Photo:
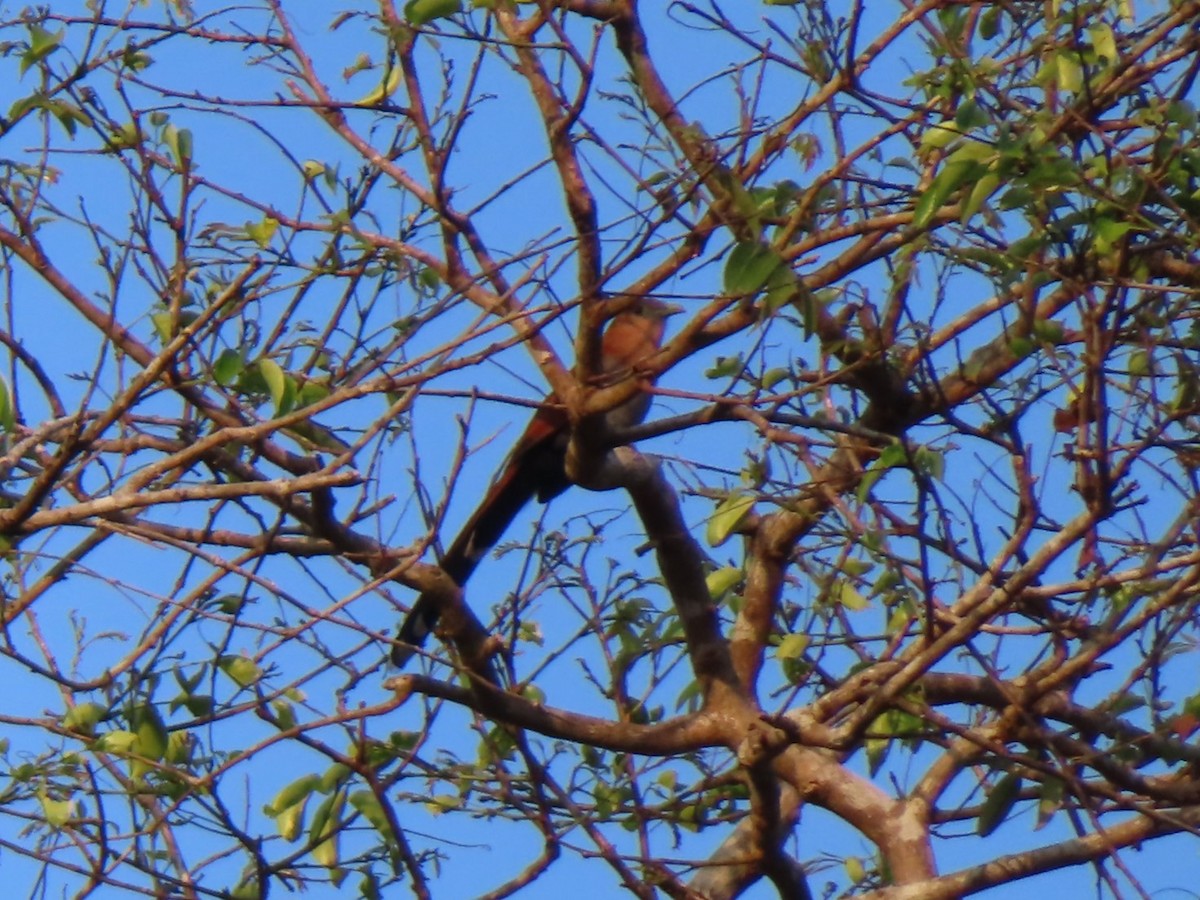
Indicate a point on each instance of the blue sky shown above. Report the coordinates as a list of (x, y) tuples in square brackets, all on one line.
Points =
[(232, 149)]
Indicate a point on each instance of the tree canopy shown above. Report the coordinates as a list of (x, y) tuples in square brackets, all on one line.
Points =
[(895, 593)]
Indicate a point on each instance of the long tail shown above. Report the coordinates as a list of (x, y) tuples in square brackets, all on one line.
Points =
[(535, 469)]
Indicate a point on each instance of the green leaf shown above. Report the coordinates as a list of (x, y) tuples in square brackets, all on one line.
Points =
[(8, 413), (725, 367), (441, 803), (228, 367), (246, 890), (980, 193), (969, 116), (118, 742), (125, 137), (287, 809), (722, 580), (964, 164), (243, 671), (750, 266), (941, 135), (729, 514), (164, 325), (847, 595), (179, 748), (892, 455), (386, 88), (1140, 363), (56, 812), (1048, 331), (793, 646), (419, 12), (782, 288), (944, 184), (1104, 43), (855, 870), (368, 805), (150, 730), (989, 23), (41, 44), (262, 232), (334, 777), (326, 829), (84, 718), (275, 380), (999, 803), (311, 392), (285, 714), (179, 142), (1107, 232), (1050, 801), (930, 462), (292, 794)]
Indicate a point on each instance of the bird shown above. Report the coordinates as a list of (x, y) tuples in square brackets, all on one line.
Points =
[(536, 466)]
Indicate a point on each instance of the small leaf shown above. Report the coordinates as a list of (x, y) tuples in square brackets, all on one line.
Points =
[(41, 44), (386, 88), (782, 288), (725, 367), (999, 803), (1050, 801), (845, 594), (939, 136), (334, 777), (722, 580), (1021, 346), (84, 718), (8, 414), (983, 190), (292, 794), (793, 646), (262, 232), (960, 167), (1140, 363), (118, 742), (179, 142), (275, 381), (419, 12), (285, 714), (930, 462), (326, 829), (749, 267), (969, 115), (368, 805), (56, 812), (164, 325), (228, 367), (150, 730), (243, 671), (855, 870), (989, 23), (1048, 331), (729, 514), (289, 821), (1104, 43), (891, 456)]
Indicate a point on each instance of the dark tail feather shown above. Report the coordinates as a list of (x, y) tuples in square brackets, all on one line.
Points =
[(540, 472)]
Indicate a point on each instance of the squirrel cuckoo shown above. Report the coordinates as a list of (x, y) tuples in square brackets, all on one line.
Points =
[(536, 466)]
